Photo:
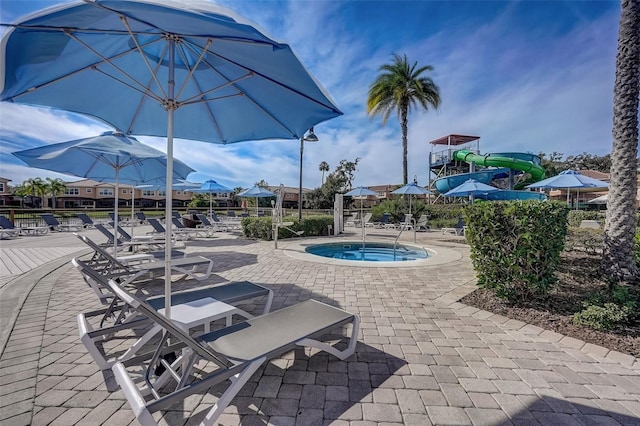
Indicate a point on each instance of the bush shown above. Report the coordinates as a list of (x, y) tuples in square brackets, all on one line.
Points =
[(516, 245), (604, 312), (260, 227), (602, 317)]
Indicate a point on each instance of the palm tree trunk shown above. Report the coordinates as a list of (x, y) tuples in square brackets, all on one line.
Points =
[(404, 124), (620, 226)]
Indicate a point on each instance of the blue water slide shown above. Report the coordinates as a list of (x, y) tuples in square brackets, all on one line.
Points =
[(447, 183)]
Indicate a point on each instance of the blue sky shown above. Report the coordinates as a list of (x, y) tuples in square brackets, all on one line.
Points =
[(525, 76)]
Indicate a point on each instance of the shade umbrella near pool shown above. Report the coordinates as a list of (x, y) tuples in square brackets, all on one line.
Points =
[(257, 192), (109, 157), (361, 192), (569, 179), (411, 189), (471, 188), (190, 70), (210, 186)]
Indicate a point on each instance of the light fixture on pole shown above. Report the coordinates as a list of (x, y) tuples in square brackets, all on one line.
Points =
[(309, 137)]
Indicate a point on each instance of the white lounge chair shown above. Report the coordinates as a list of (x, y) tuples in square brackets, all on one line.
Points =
[(236, 352), (195, 308)]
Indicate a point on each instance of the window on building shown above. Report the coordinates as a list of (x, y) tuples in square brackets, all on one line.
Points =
[(124, 191), (1, 186), (162, 193), (147, 193), (71, 191), (89, 190), (105, 191)]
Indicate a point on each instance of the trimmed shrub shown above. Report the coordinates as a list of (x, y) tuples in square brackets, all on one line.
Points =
[(516, 245), (602, 317), (260, 227)]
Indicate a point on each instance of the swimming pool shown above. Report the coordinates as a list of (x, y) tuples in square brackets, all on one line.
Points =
[(368, 252)]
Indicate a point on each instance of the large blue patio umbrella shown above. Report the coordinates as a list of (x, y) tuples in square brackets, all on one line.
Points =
[(411, 189), (257, 192), (569, 179), (190, 70), (210, 186), (161, 185), (109, 157), (470, 188)]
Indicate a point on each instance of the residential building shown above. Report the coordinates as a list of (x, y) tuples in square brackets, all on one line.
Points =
[(5, 192)]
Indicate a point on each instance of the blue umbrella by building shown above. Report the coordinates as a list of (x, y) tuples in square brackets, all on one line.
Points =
[(257, 192), (471, 188), (109, 157), (569, 179), (210, 186), (411, 189), (186, 70)]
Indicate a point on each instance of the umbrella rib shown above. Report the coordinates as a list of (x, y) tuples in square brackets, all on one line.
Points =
[(200, 97), (123, 18), (148, 90), (193, 68), (110, 62)]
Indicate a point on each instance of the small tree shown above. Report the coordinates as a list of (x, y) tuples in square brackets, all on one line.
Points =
[(55, 187)]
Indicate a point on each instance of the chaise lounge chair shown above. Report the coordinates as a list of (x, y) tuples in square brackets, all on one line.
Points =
[(407, 223), (107, 264), (209, 226), (458, 229), (53, 223), (7, 225), (422, 223), (236, 351), (158, 230), (195, 300)]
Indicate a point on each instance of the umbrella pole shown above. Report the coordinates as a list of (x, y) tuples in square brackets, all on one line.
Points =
[(133, 190), (115, 216), (169, 195), (210, 205)]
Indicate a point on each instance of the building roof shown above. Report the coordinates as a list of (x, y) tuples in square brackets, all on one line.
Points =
[(2, 179), (454, 140), (595, 174)]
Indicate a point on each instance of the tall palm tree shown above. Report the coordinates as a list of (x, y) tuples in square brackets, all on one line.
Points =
[(621, 211), (55, 187), (323, 167), (400, 87)]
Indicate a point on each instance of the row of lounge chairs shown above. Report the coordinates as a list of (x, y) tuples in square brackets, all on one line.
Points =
[(158, 362), (384, 222)]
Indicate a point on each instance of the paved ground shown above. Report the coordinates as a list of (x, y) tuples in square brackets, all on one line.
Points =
[(422, 358)]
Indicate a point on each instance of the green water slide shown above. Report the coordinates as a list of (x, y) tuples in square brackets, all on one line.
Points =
[(511, 160)]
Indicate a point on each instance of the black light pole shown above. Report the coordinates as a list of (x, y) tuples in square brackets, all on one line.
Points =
[(309, 137)]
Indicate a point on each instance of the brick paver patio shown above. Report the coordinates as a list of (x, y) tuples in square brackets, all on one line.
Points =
[(422, 357)]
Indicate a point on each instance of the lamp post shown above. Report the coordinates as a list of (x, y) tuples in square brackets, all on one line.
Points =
[(309, 137)]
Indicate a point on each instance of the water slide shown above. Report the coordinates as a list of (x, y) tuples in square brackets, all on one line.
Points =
[(502, 163)]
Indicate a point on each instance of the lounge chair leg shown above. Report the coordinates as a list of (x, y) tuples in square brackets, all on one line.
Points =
[(342, 355), (238, 381)]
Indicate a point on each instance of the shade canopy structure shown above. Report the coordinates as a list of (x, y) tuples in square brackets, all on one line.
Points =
[(210, 186), (109, 157), (361, 192), (257, 192), (569, 179), (471, 188), (191, 70), (411, 189)]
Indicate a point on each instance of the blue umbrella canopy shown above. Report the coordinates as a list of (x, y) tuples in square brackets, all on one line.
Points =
[(109, 157), (569, 179), (210, 186), (471, 187), (257, 192), (191, 70), (360, 191), (411, 189)]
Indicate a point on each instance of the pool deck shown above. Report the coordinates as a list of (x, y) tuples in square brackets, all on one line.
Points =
[(422, 357)]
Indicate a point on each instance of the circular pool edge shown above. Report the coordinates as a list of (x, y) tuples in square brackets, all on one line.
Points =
[(437, 255)]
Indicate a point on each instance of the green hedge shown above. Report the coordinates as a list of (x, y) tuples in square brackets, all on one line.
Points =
[(577, 216), (260, 227), (516, 245)]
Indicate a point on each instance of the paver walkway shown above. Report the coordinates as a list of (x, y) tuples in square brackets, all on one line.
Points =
[(422, 358)]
